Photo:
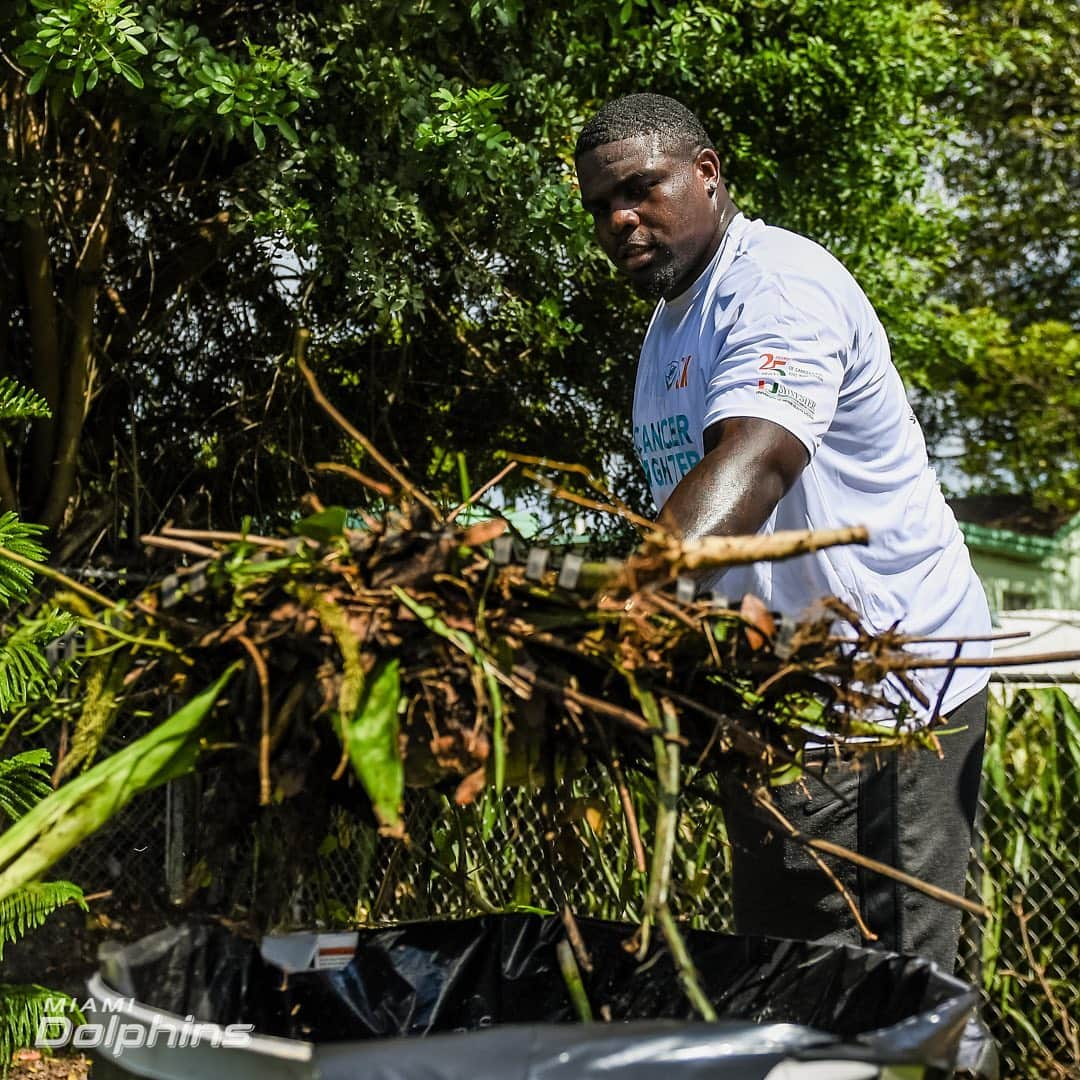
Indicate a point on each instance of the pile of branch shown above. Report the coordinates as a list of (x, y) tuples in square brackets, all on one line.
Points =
[(443, 655), (397, 649), (439, 656)]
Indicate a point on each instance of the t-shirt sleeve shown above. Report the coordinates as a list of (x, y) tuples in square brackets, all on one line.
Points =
[(783, 360)]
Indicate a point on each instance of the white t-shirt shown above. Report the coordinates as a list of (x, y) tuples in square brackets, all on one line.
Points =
[(776, 328)]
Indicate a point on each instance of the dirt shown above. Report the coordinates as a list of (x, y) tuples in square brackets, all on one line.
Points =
[(32, 1063)]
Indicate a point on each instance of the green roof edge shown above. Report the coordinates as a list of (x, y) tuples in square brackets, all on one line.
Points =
[(1007, 542)]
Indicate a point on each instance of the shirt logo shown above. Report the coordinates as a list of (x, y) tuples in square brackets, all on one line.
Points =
[(806, 405), (785, 366), (675, 377)]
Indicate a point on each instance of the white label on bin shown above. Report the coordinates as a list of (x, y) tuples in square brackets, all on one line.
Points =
[(334, 951)]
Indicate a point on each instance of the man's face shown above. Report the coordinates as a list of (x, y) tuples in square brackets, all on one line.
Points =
[(652, 211)]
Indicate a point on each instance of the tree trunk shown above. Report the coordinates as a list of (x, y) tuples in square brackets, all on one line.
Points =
[(76, 390)]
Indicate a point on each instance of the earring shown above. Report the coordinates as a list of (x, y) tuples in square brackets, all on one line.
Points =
[(711, 190)]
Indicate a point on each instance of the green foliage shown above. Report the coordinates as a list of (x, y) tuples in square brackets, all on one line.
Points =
[(371, 739), (23, 781), (25, 673), (22, 1008), (48, 831), (460, 114), (82, 40), (76, 45), (19, 403), (1032, 790), (30, 906), (100, 686), (400, 178), (1014, 160), (1024, 385), (21, 538)]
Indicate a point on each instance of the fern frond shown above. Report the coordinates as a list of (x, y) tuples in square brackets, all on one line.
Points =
[(24, 668), (22, 1009), (28, 907), (20, 537), (23, 781), (18, 402)]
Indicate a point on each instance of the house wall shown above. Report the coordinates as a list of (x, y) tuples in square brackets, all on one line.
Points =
[(1021, 571)]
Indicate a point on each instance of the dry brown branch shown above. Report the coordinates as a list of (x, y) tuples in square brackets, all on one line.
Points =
[(615, 504), (219, 537), (761, 797), (710, 552), (300, 343), (630, 814), (264, 736), (598, 705), (385, 490), (581, 500), (187, 546), (47, 571), (1069, 1027), (577, 942), (487, 486), (946, 897), (915, 662)]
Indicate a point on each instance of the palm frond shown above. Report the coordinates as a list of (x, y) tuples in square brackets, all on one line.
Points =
[(27, 908), (20, 537), (18, 402), (24, 669), (22, 1010), (23, 781)]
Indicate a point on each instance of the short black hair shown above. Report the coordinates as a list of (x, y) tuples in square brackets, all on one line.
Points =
[(644, 114)]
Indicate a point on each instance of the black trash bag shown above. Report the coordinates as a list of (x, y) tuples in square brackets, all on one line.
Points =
[(437, 978)]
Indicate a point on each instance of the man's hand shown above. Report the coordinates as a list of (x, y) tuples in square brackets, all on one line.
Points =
[(748, 465)]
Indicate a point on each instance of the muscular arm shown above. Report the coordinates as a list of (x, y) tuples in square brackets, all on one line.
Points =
[(748, 465)]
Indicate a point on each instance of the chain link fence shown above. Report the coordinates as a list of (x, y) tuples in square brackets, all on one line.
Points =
[(530, 850)]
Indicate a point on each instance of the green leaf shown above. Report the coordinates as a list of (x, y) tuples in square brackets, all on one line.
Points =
[(132, 76), (30, 846), (34, 85), (371, 738), (287, 130), (18, 402), (326, 525), (22, 1010), (23, 782), (258, 134)]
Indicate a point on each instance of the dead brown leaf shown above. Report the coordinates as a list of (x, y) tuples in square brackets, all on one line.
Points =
[(756, 614)]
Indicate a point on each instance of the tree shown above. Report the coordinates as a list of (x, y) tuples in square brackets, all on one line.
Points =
[(1015, 160), (189, 182), (1004, 375), (119, 125)]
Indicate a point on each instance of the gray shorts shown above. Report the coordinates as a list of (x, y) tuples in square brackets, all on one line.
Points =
[(912, 811)]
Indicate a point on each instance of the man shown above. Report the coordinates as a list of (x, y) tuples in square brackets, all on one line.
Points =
[(766, 399)]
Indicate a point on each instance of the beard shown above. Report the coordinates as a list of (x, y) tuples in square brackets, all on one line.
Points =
[(658, 278)]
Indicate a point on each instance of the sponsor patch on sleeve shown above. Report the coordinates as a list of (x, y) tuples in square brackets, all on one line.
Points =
[(774, 388)]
